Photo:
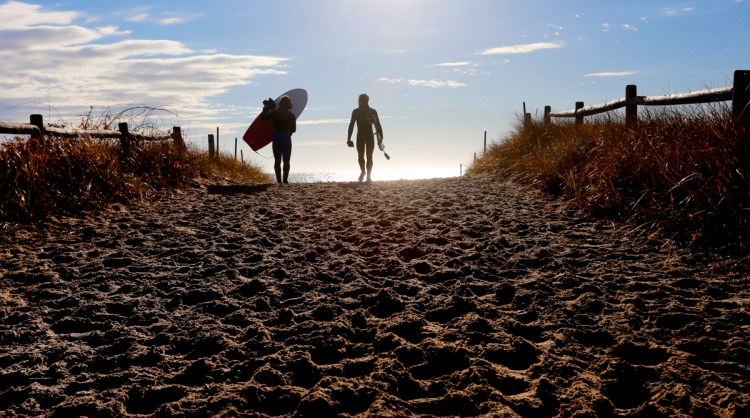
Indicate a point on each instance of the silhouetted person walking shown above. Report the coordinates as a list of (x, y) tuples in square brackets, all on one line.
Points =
[(284, 125), (365, 117)]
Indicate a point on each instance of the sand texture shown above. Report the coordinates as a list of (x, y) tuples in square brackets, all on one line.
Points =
[(467, 296)]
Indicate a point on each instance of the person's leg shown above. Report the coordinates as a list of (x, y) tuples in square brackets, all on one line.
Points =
[(277, 160), (287, 158), (370, 147), (361, 157)]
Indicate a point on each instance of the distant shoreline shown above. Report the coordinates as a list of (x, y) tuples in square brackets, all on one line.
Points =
[(378, 174)]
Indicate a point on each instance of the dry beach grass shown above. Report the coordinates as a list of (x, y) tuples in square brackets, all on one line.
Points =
[(681, 176), (467, 296)]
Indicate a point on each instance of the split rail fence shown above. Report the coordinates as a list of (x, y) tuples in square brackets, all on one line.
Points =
[(37, 129), (738, 93)]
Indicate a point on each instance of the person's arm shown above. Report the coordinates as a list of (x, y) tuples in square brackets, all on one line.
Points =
[(294, 123), (378, 128), (351, 125), (268, 106)]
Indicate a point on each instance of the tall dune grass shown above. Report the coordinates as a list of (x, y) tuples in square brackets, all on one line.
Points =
[(57, 176), (680, 176)]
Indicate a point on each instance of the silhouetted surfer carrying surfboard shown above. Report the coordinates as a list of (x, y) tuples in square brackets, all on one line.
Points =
[(365, 117), (284, 125)]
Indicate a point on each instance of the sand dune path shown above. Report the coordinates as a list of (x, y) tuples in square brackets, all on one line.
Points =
[(448, 297)]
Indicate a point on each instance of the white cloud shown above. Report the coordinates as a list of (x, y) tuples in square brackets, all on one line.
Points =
[(436, 83), (611, 74), (630, 27), (45, 56), (171, 21), (521, 49), (16, 14), (452, 64), (672, 11), (138, 18), (145, 15), (605, 27), (137, 15), (424, 83)]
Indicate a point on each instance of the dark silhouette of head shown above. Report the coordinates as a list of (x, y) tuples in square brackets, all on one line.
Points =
[(285, 102), (364, 99)]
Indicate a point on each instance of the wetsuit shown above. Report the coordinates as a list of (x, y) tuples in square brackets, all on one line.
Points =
[(365, 117), (284, 125)]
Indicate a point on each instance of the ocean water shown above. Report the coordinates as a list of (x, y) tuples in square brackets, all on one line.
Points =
[(377, 175)]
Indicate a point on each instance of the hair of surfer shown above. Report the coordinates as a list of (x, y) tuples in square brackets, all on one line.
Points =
[(285, 102), (364, 99)]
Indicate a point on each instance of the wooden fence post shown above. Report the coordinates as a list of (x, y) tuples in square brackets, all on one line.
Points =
[(547, 118), (211, 146), (741, 95), (631, 107), (124, 141), (178, 142), (526, 116), (579, 118), (485, 142), (235, 149), (38, 121)]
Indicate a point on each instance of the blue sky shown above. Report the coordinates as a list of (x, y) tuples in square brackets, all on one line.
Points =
[(439, 72)]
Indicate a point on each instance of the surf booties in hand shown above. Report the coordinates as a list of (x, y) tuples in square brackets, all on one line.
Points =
[(382, 148), (269, 104)]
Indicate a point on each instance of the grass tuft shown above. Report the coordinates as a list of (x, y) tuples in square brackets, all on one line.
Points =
[(680, 176), (65, 176)]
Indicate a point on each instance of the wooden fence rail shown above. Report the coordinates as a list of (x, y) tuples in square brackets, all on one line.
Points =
[(739, 94), (37, 129)]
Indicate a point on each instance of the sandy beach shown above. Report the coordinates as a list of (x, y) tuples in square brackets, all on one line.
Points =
[(463, 296)]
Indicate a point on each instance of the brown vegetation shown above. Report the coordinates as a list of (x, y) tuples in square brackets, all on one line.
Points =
[(679, 176), (56, 176)]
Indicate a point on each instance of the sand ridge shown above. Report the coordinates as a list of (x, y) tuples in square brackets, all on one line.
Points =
[(466, 296)]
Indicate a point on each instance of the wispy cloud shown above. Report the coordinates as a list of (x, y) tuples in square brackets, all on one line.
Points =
[(46, 56), (436, 83), (611, 74), (452, 64), (673, 11), (557, 29), (171, 21), (630, 27), (605, 27), (145, 15), (521, 49), (424, 83)]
